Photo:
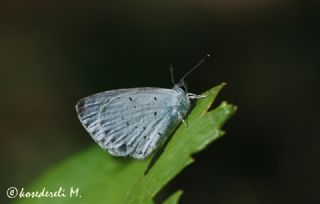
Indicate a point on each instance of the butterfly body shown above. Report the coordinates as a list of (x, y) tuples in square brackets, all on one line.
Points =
[(133, 122)]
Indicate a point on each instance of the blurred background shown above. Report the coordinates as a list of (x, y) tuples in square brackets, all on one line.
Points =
[(53, 53)]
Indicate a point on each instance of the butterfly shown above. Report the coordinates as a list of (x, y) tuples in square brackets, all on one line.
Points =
[(134, 122)]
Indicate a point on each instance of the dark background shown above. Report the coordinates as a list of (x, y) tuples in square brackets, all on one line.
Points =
[(54, 53)]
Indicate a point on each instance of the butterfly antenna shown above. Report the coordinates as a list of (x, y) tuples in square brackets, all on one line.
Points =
[(195, 67), (172, 76)]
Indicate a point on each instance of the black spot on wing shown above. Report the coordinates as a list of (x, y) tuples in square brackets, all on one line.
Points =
[(95, 131), (103, 140), (123, 148)]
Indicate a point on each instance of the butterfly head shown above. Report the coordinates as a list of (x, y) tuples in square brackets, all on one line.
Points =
[(182, 85)]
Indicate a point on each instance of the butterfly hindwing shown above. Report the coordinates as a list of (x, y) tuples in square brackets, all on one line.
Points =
[(129, 121)]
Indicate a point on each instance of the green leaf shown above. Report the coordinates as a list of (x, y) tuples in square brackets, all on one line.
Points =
[(174, 198), (101, 178)]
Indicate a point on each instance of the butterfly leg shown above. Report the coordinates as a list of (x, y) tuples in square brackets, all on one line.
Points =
[(195, 96), (181, 119)]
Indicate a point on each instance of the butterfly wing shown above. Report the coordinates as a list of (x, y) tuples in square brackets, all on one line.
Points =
[(129, 121), (159, 130)]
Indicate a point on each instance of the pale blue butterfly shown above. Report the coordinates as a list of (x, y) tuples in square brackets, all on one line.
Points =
[(133, 122)]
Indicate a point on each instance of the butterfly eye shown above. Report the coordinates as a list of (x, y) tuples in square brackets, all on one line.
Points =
[(183, 86)]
